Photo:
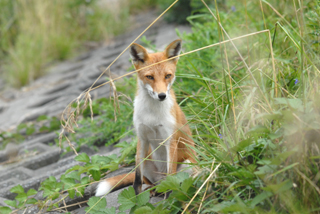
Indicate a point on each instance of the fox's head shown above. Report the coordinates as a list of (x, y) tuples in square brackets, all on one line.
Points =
[(157, 79)]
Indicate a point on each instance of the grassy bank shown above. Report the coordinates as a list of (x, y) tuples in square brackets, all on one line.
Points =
[(34, 33), (253, 107)]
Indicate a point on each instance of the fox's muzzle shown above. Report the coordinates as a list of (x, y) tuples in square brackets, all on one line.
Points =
[(162, 96)]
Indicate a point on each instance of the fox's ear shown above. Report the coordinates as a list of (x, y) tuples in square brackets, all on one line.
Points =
[(138, 53), (174, 49)]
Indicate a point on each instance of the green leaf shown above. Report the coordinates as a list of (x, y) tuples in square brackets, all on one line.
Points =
[(21, 197), (111, 166), (270, 190), (259, 198), (55, 196), (282, 157), (143, 210), (80, 189), (258, 130), (95, 174), (264, 162), (52, 178), (44, 129), (68, 182), (54, 124), (278, 188), (277, 134), (281, 100), (111, 210), (76, 167), (71, 193), (5, 210), (11, 203), (266, 169), (100, 159), (143, 198), (21, 126), (97, 203), (242, 174), (273, 116), (31, 192), (238, 207), (30, 130), (127, 199), (31, 201), (290, 129), (186, 184), (85, 180), (83, 157), (17, 189), (181, 176), (171, 183), (42, 117), (73, 175), (217, 208), (241, 145), (296, 103)]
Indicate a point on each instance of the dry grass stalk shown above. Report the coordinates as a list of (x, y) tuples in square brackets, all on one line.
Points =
[(207, 186), (228, 66), (71, 146), (70, 205), (308, 180), (90, 105), (201, 187), (116, 105)]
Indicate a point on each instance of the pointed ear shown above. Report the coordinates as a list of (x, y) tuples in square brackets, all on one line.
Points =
[(174, 49), (138, 53)]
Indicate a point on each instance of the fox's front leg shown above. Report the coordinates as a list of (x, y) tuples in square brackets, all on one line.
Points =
[(142, 150), (137, 184), (172, 159)]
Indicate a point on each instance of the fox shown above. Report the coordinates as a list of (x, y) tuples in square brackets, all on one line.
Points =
[(164, 144)]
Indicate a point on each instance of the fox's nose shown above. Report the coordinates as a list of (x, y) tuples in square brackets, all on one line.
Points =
[(162, 96)]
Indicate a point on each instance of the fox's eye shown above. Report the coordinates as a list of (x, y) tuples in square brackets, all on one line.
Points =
[(168, 76), (150, 77)]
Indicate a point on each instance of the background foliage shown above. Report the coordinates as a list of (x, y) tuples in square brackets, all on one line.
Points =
[(34, 33), (255, 118)]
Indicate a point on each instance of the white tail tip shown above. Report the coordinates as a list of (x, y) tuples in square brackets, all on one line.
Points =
[(103, 188)]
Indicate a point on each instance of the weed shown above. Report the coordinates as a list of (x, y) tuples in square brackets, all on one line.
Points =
[(43, 124)]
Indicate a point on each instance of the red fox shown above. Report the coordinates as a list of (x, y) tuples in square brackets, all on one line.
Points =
[(157, 118)]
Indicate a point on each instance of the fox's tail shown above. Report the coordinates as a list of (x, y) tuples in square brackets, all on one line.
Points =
[(105, 186)]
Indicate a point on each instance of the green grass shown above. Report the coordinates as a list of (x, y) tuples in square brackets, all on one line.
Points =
[(254, 116), (35, 33), (260, 123)]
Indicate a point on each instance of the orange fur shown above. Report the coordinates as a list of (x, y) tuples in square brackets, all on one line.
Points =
[(157, 81)]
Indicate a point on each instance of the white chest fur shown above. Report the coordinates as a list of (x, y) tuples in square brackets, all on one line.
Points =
[(154, 124)]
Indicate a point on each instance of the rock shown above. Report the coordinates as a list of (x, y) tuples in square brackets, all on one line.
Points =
[(10, 152), (3, 106)]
